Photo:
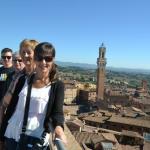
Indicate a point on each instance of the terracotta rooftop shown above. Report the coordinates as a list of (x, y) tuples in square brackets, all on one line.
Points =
[(83, 137), (131, 134), (106, 113), (110, 137), (103, 130), (97, 138), (95, 119), (143, 100), (76, 122), (130, 121), (128, 147), (146, 146)]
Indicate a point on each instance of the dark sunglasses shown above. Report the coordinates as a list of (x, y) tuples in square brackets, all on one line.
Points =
[(17, 60), (46, 58), (8, 57)]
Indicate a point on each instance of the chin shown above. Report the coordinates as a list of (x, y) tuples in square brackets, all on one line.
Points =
[(8, 65), (43, 71), (28, 63)]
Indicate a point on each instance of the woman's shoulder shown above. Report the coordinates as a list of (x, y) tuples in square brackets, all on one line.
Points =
[(58, 82), (20, 80), (58, 85)]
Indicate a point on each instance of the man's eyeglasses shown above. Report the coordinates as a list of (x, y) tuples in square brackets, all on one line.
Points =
[(17, 60), (8, 57), (46, 58)]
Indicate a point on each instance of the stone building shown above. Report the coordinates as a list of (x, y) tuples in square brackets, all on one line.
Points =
[(142, 103), (86, 96), (70, 92), (116, 97)]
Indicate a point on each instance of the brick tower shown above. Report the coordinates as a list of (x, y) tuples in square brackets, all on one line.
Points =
[(101, 69), (144, 85)]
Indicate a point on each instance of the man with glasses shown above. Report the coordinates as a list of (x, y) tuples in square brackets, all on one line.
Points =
[(5, 70)]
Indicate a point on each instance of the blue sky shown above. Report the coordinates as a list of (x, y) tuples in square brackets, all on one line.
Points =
[(78, 27)]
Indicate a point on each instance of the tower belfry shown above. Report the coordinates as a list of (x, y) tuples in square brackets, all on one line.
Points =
[(101, 71)]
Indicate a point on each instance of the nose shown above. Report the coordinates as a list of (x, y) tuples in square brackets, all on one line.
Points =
[(6, 59), (43, 61), (26, 54)]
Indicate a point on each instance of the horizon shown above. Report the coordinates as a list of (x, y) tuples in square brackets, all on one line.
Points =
[(77, 29), (94, 65)]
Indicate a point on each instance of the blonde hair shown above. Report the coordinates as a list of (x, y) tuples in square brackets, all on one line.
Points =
[(28, 44)]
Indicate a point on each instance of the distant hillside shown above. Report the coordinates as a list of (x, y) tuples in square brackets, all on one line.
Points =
[(94, 66), (129, 70), (81, 65)]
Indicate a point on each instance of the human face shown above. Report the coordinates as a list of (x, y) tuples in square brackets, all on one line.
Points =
[(44, 65), (27, 55), (7, 59), (18, 63)]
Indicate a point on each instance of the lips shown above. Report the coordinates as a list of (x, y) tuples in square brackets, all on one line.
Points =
[(27, 60), (43, 67)]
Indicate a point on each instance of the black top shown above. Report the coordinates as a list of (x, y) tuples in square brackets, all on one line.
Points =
[(54, 110), (4, 73)]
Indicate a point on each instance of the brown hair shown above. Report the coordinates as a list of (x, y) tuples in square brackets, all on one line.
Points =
[(5, 50), (44, 48)]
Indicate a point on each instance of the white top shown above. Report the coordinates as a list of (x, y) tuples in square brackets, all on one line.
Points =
[(37, 112)]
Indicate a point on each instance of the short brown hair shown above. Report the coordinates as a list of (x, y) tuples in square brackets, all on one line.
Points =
[(5, 50)]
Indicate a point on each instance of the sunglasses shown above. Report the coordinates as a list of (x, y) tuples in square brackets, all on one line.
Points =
[(8, 57), (46, 58), (17, 60)]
